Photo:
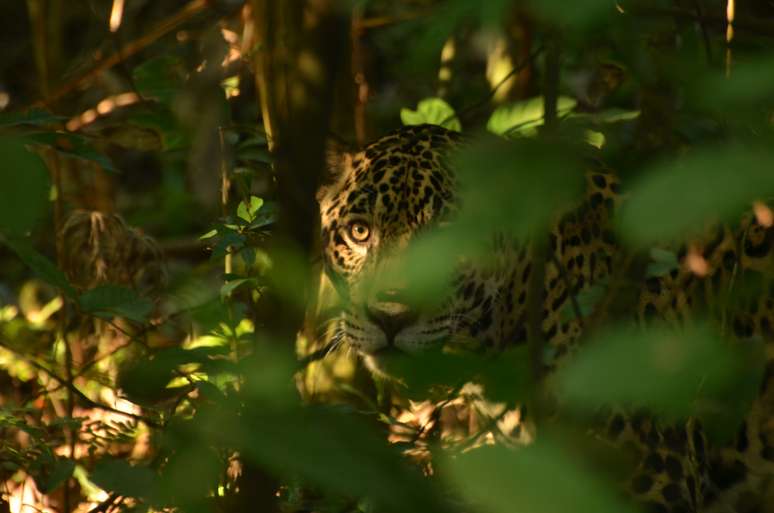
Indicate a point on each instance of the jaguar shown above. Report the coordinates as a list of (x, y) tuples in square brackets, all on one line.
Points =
[(378, 201)]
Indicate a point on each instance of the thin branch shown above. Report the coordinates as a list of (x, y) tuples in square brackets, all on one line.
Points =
[(134, 47)]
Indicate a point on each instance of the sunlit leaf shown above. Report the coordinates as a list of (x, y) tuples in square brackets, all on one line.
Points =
[(114, 301), (525, 116), (495, 479), (248, 209), (433, 111), (679, 197), (25, 187)]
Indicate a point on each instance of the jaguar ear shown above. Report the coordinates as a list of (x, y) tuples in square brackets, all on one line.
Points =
[(338, 165)]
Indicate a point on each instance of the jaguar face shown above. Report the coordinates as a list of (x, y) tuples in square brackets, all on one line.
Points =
[(379, 200)]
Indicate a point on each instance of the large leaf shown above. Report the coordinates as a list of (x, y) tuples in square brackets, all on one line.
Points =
[(72, 145), (673, 372), (40, 265), (159, 78), (29, 117), (125, 479), (518, 191), (678, 197), (538, 479), (24, 190)]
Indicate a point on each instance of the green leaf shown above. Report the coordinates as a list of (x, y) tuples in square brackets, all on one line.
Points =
[(487, 475), (121, 477), (662, 262), (229, 287), (56, 474), (583, 14), (160, 78), (677, 198), (248, 209), (587, 300), (505, 376), (525, 116), (541, 174), (25, 188), (29, 117), (40, 265), (672, 372), (433, 111), (113, 301), (72, 145), (210, 234)]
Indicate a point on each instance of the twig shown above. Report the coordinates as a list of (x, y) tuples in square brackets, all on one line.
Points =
[(80, 395), (157, 32), (704, 31)]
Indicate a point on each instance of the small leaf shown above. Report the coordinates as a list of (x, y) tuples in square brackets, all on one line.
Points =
[(523, 117), (433, 111), (209, 234), (662, 262), (113, 301), (229, 287), (248, 209)]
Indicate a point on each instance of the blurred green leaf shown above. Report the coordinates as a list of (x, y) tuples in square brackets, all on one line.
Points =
[(433, 111), (123, 478), (583, 14), (498, 479), (72, 145), (29, 117), (113, 301), (25, 187), (160, 78), (679, 197), (749, 84), (662, 262), (342, 453), (56, 473), (504, 376), (40, 265), (672, 372), (517, 194), (525, 116)]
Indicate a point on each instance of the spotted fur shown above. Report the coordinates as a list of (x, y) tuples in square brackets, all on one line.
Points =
[(401, 185)]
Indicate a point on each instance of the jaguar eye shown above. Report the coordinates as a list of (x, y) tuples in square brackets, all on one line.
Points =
[(359, 232)]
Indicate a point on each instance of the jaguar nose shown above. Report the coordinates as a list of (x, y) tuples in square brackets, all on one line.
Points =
[(390, 316)]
